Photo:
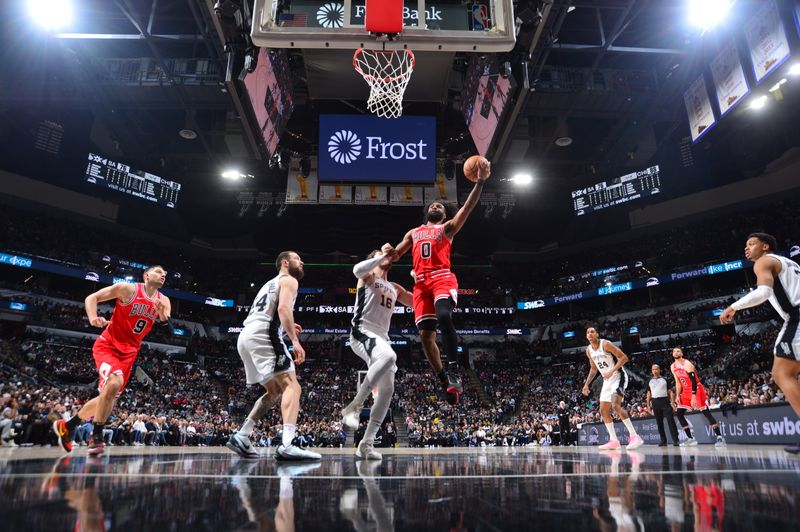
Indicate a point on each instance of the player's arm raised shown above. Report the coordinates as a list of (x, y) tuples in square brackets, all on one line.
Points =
[(404, 297), (363, 270), (592, 374), (622, 359), (287, 287), (452, 227), (402, 248), (765, 269), (122, 291)]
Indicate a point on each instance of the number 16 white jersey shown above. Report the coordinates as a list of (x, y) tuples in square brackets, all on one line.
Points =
[(375, 306)]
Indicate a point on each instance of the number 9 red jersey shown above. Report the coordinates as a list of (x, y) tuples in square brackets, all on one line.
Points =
[(131, 322)]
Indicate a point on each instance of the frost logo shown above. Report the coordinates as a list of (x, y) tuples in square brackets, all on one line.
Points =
[(653, 281), (331, 15), (344, 147)]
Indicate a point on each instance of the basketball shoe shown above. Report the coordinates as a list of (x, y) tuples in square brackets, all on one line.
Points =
[(241, 445), (366, 450), (350, 417), (293, 452), (64, 434), (610, 446), (96, 448)]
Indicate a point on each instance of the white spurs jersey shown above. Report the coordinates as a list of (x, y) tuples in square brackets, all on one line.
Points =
[(785, 298), (375, 306), (602, 358), (264, 312)]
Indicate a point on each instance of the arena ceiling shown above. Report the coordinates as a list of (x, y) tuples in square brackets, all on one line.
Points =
[(129, 75)]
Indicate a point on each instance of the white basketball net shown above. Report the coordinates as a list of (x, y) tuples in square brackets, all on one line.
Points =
[(388, 74)]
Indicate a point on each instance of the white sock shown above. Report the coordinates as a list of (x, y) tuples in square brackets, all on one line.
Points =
[(611, 432), (629, 425), (286, 491), (288, 434), (247, 428)]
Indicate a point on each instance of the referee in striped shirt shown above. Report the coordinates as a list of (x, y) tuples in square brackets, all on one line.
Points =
[(660, 401)]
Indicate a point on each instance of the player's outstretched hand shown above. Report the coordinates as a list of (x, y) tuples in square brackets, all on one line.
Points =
[(585, 390), (297, 328), (727, 315), (299, 353), (100, 322), (388, 250), (484, 169)]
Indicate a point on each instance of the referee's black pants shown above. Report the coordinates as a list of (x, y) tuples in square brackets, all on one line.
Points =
[(662, 409)]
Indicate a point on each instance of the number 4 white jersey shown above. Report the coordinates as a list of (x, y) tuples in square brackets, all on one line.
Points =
[(786, 289), (375, 306), (264, 312)]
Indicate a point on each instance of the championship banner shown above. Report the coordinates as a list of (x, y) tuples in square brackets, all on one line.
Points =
[(698, 107), (336, 194), (763, 425), (371, 195), (766, 39), (729, 80), (406, 196), (444, 190), (302, 184)]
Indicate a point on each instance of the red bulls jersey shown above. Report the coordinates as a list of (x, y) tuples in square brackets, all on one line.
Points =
[(131, 322), (431, 249), (683, 377)]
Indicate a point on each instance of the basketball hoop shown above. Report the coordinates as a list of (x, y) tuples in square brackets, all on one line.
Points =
[(387, 73)]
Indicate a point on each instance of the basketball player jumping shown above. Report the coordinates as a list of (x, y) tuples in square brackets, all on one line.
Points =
[(436, 287), (267, 360), (369, 339), (138, 306), (607, 359), (778, 280), (691, 396)]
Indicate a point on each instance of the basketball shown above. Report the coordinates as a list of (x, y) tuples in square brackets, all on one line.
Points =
[(471, 167)]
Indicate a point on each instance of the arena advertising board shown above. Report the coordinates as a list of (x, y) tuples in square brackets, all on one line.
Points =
[(695, 273), (69, 271), (370, 149), (766, 424), (494, 331)]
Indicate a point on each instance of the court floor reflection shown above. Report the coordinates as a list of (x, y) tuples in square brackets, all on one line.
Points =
[(738, 488)]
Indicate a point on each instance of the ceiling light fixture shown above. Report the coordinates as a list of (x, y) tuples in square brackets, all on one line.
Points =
[(50, 14)]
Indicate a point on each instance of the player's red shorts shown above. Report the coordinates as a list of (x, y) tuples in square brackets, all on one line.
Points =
[(685, 399), (110, 361), (431, 287)]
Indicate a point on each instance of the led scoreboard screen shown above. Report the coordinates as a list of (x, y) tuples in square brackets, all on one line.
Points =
[(636, 185), (122, 178)]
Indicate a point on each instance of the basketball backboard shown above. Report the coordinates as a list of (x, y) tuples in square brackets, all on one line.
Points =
[(429, 25)]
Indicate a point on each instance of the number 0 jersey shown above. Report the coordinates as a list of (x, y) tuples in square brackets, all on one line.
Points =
[(374, 307), (131, 322), (431, 249)]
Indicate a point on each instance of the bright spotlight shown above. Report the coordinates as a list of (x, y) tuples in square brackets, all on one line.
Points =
[(794, 70), (706, 14), (233, 175), (50, 14), (522, 179), (758, 102)]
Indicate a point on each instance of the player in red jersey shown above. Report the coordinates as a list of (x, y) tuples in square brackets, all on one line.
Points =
[(138, 307), (691, 396), (436, 287)]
